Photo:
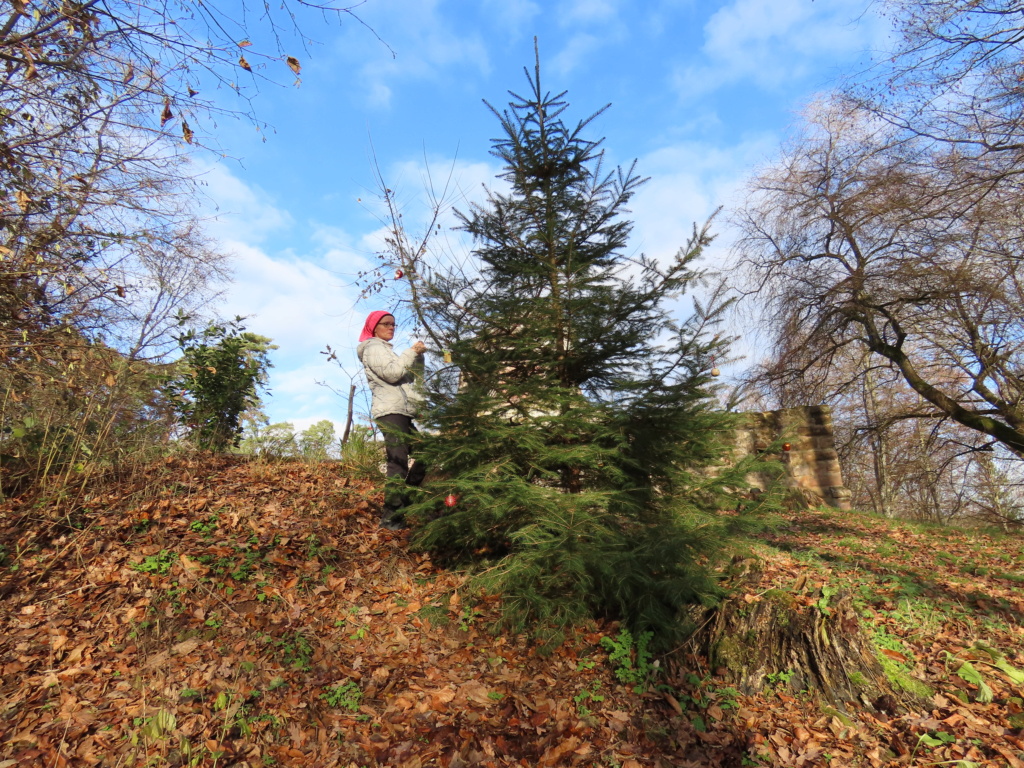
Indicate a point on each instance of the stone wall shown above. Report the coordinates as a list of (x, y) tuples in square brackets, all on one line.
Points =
[(812, 463)]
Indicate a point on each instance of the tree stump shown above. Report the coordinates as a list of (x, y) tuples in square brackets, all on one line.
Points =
[(775, 637)]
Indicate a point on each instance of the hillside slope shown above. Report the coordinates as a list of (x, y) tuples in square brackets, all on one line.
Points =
[(224, 612)]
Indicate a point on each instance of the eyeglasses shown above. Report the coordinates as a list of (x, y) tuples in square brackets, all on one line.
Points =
[(386, 325)]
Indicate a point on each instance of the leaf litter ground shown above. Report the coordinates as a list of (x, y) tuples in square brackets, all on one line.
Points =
[(217, 611)]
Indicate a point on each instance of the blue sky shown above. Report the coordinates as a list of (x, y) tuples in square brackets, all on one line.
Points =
[(701, 94)]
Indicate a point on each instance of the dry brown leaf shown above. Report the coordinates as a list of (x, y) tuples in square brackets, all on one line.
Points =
[(894, 654), (186, 646), (23, 737), (476, 692), (672, 702)]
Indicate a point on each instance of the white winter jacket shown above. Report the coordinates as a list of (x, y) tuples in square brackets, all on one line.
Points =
[(392, 378)]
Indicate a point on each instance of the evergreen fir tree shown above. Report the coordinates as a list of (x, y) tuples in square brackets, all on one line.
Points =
[(577, 436)]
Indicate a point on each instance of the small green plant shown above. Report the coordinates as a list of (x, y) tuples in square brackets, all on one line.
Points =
[(343, 696), (159, 563), (238, 569), (468, 616), (970, 674), (905, 587), (588, 695), (275, 683), (631, 660), (851, 543), (728, 697), (827, 593), (209, 525), (886, 549), (313, 546), (779, 679), (159, 726), (296, 650), (938, 739), (991, 657), (222, 701)]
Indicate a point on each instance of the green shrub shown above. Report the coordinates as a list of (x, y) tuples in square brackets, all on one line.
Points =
[(219, 373), (362, 454)]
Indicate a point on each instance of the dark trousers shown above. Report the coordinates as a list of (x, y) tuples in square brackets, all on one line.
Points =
[(397, 430)]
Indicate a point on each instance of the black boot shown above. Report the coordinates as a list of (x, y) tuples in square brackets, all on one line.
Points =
[(392, 519)]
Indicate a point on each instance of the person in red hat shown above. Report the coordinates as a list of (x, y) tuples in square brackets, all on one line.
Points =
[(392, 381)]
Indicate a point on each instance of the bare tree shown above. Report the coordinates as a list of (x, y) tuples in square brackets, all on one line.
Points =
[(101, 251), (99, 101), (954, 77), (858, 238)]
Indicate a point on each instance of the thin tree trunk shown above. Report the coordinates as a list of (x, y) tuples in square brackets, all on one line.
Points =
[(348, 418), (879, 448)]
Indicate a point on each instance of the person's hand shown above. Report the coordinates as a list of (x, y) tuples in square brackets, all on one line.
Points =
[(419, 347)]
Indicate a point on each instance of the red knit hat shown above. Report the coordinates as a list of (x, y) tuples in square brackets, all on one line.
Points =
[(371, 324)]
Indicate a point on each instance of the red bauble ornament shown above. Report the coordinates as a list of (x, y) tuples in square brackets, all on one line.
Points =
[(786, 446), (451, 500), (398, 274)]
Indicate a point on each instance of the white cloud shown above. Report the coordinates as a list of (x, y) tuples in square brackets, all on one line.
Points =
[(428, 45), (309, 300), (451, 184), (574, 53), (587, 11), (238, 210), (772, 42), (512, 15), (377, 93), (291, 299), (689, 181), (307, 401)]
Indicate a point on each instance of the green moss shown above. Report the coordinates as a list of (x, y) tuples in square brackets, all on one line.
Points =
[(780, 597), (899, 676), (733, 654)]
